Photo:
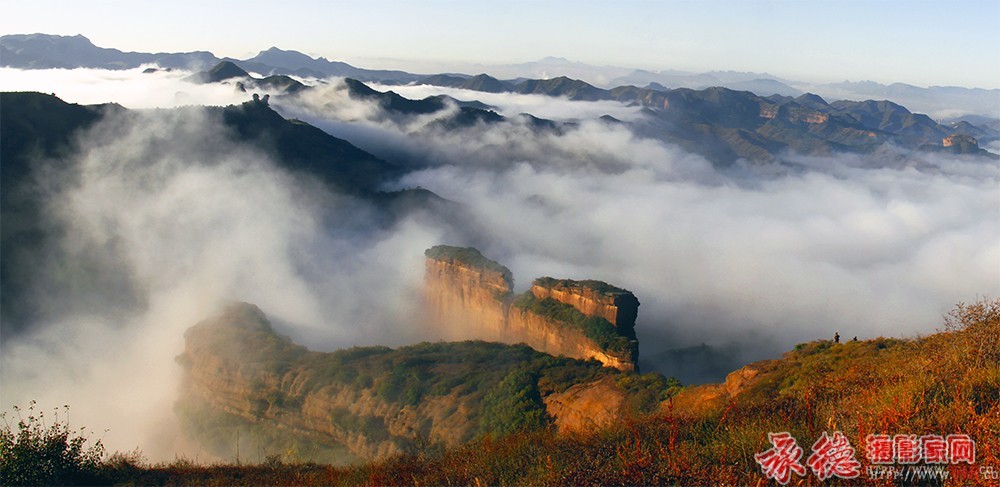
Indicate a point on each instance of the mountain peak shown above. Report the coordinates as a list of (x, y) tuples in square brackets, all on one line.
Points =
[(812, 100), (226, 70), (555, 60)]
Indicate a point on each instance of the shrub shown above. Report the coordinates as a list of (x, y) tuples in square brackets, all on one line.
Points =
[(32, 453), (514, 405)]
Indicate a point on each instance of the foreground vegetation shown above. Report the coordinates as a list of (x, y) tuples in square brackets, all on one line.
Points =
[(946, 383)]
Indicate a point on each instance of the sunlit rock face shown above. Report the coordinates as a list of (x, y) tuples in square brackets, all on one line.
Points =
[(593, 298), (586, 407), (470, 297), (466, 297)]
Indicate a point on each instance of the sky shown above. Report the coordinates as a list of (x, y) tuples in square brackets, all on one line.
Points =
[(925, 43)]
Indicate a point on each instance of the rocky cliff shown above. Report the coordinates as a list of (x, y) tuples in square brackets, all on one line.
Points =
[(373, 402), (468, 294), (593, 298), (587, 407), (471, 296)]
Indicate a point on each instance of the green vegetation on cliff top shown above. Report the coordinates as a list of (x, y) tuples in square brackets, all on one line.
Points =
[(599, 287), (466, 255), (596, 328)]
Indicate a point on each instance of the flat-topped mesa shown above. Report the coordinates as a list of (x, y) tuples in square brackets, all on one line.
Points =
[(593, 298), (470, 297)]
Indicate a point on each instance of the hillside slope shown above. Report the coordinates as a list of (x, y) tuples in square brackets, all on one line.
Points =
[(943, 384), (375, 402)]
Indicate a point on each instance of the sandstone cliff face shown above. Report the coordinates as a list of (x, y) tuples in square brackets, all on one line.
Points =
[(593, 298), (555, 338), (470, 296), (468, 301)]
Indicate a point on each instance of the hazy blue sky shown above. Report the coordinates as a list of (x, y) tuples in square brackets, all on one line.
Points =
[(913, 41)]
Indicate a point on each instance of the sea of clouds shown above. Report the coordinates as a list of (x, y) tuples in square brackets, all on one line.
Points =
[(749, 260)]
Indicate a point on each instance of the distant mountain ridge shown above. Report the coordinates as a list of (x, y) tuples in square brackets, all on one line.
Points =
[(41, 51), (722, 124), (227, 71), (294, 62), (725, 125), (44, 51)]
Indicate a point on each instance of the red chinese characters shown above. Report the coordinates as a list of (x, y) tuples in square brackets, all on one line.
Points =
[(880, 449), (911, 449), (782, 459), (935, 449), (961, 448), (833, 455), (907, 449)]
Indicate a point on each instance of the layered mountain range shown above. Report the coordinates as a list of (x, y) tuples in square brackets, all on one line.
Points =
[(720, 123), (725, 124), (39, 51)]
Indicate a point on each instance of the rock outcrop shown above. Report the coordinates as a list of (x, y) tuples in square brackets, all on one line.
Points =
[(586, 407), (699, 400), (593, 298), (471, 296)]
